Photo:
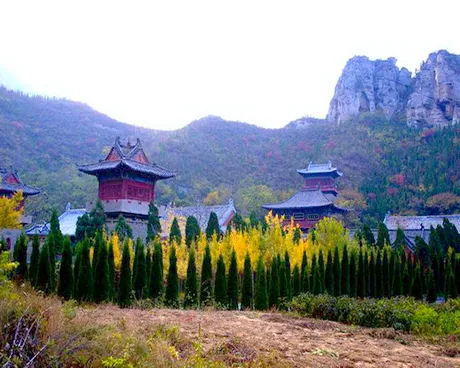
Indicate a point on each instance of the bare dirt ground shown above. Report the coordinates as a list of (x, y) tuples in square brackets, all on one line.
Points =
[(296, 342)]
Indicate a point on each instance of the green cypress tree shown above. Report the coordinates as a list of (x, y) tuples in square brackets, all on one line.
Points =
[(66, 282), (97, 219), (397, 276), (123, 229), (191, 283), (140, 280), (417, 287), (101, 276), (329, 274), (175, 234), (76, 267), (373, 273), (213, 226), (337, 273), (44, 271), (34, 260), (400, 241), (111, 263), (367, 234), (316, 280), (273, 297), (297, 235), (321, 271), (98, 241), (450, 287), (287, 262), (192, 231), (148, 270), (353, 275), (232, 285), (52, 254), (56, 231), (296, 281), (360, 277), (20, 250), (85, 275), (345, 272), (386, 274), (366, 275), (406, 281), (383, 237), (247, 292), (431, 287), (261, 297), (304, 274), (172, 286), (206, 278), (220, 288), (153, 223), (391, 272), (283, 283), (137, 247), (126, 286), (313, 272), (156, 278), (378, 275)]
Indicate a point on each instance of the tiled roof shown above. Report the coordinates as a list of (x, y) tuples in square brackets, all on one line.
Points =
[(303, 199), (201, 213), (10, 187), (126, 159), (319, 169), (419, 222)]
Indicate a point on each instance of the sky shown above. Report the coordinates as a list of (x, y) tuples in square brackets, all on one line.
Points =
[(163, 64)]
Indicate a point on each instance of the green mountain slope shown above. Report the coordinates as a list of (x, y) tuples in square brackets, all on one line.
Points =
[(386, 166)]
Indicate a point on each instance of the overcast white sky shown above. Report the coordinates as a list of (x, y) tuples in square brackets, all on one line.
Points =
[(163, 64)]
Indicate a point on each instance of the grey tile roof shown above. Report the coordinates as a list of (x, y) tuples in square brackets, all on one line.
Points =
[(419, 222), (319, 169), (200, 212), (303, 199), (27, 190)]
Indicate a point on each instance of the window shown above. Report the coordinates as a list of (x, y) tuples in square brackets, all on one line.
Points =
[(313, 216), (299, 216)]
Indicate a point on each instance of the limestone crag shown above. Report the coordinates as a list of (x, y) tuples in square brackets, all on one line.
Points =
[(369, 86), (435, 101), (429, 99)]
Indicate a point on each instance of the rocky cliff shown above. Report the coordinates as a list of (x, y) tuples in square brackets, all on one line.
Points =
[(429, 99)]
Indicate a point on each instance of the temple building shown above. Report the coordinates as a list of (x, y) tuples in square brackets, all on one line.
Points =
[(314, 201), (10, 183), (126, 184)]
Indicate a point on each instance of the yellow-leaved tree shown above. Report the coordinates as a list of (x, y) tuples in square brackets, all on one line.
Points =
[(11, 210)]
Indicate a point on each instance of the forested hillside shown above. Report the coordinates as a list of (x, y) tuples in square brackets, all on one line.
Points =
[(386, 166)]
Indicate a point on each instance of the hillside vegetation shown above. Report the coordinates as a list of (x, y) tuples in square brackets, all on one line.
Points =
[(386, 165)]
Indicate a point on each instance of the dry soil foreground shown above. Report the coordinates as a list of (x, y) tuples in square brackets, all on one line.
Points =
[(295, 342)]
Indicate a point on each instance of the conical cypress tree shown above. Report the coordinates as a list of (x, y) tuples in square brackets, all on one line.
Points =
[(101, 275), (321, 271), (52, 254), (283, 283), (247, 293), (148, 269), (156, 279), (360, 277), (98, 241), (137, 248), (192, 231), (373, 273), (191, 283), (329, 274), (386, 274), (273, 297), (450, 287), (20, 252), (153, 223), (76, 267), (316, 281), (304, 274), (172, 286), (345, 272), (232, 286), (111, 263), (397, 276), (400, 241), (125, 287), (383, 237), (296, 281), (66, 282), (287, 262), (175, 234), (220, 288), (378, 275), (406, 281), (337, 273), (314, 265), (431, 287), (353, 276), (213, 226), (34, 260), (44, 271), (417, 288), (85, 274), (261, 297), (366, 275), (297, 235), (206, 278), (391, 272), (140, 280)]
